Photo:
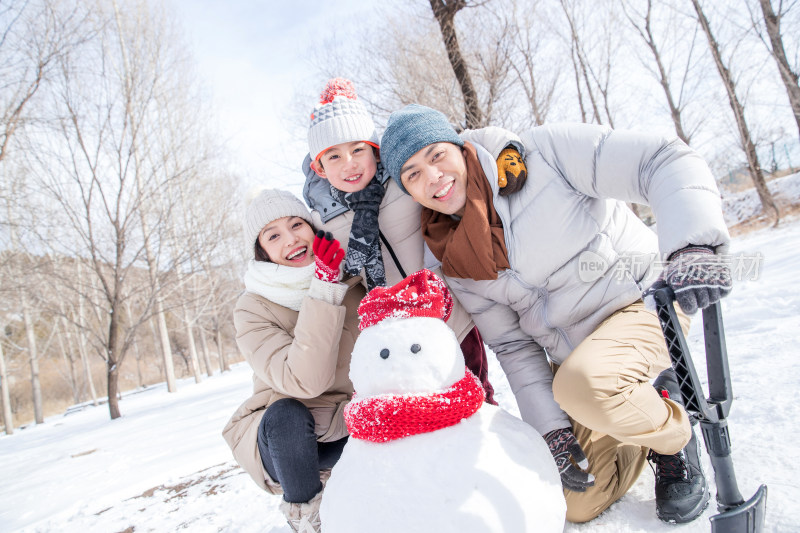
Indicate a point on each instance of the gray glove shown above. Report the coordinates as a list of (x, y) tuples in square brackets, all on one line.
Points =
[(697, 276), (570, 459)]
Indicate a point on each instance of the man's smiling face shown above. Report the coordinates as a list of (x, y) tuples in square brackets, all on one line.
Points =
[(436, 177)]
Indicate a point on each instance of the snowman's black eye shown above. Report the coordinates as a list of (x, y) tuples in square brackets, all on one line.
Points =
[(415, 348), (385, 353)]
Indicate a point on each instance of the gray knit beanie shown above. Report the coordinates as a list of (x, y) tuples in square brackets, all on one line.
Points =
[(410, 130), (339, 118), (266, 205)]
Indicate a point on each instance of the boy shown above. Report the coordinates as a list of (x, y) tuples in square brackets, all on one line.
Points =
[(555, 273)]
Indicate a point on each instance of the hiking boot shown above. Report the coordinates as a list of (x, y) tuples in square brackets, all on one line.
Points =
[(681, 488)]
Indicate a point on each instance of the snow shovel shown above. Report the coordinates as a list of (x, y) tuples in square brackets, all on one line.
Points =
[(735, 514)]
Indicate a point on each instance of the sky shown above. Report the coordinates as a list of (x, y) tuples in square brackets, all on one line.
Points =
[(255, 56), (163, 465), (248, 57)]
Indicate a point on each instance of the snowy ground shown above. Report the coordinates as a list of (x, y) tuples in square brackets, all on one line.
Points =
[(163, 466), (744, 205)]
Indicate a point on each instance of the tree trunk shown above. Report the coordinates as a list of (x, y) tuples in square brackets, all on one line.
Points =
[(5, 397), (445, 12), (69, 360), (193, 359), (112, 363), (223, 361), (166, 348), (576, 71), (36, 386), (87, 370), (139, 375), (156, 342), (206, 355), (779, 54), (767, 202)]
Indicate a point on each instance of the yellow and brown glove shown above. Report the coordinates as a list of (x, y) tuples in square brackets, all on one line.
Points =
[(511, 171)]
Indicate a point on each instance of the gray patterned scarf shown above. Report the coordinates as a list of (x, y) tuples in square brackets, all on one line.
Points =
[(364, 246)]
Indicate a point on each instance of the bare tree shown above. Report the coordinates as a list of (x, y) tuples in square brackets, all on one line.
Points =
[(757, 174), (65, 342), (81, 327), (32, 38), (445, 11), (204, 230), (106, 174), (130, 94), (33, 352), (34, 34), (772, 21), (580, 62), (643, 23), (538, 82), (22, 267)]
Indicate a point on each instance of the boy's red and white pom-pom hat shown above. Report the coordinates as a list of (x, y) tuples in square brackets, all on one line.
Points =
[(422, 294), (338, 118)]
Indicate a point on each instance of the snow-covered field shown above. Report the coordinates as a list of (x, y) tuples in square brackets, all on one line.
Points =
[(743, 205), (163, 466)]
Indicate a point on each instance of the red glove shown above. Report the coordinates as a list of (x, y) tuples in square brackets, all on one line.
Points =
[(329, 255)]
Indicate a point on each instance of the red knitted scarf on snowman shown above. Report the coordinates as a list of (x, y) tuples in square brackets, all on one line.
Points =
[(389, 417)]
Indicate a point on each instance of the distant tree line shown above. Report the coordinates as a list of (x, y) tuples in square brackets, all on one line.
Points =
[(119, 220)]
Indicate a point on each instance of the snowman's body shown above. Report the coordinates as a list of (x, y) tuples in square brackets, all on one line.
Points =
[(490, 472)]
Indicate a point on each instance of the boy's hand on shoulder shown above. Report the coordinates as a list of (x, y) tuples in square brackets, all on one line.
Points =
[(511, 171)]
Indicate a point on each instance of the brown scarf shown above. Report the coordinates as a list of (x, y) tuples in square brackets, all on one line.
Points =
[(472, 247)]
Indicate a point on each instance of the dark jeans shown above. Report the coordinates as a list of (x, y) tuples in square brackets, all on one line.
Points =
[(290, 451), (475, 359)]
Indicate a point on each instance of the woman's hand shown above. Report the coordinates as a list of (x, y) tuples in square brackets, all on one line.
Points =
[(328, 256)]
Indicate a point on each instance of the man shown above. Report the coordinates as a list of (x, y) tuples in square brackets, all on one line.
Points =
[(553, 276)]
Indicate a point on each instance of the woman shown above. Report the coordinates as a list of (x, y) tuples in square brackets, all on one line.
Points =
[(296, 326)]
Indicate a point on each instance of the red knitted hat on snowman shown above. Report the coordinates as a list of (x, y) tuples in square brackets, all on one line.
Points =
[(422, 294), (338, 118)]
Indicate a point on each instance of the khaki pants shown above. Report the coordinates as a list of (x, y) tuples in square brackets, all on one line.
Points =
[(605, 388)]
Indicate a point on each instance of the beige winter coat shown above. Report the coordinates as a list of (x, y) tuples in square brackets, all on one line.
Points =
[(399, 221), (303, 355)]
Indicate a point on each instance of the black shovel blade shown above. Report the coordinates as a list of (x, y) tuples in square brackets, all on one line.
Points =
[(745, 518)]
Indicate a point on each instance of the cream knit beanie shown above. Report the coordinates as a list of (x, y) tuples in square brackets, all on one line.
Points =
[(338, 118), (266, 205)]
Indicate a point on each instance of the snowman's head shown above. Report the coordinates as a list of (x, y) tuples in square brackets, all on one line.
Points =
[(405, 346), (406, 355)]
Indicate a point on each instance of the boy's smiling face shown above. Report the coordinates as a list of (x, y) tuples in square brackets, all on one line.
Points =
[(348, 166)]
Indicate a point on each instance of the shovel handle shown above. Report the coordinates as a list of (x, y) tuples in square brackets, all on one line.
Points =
[(711, 412)]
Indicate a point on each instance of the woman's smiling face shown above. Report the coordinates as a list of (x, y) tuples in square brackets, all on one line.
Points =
[(288, 241)]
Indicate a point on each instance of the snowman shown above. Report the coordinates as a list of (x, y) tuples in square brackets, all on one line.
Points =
[(425, 453)]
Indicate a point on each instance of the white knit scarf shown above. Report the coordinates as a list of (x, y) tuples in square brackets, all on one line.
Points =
[(281, 284)]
